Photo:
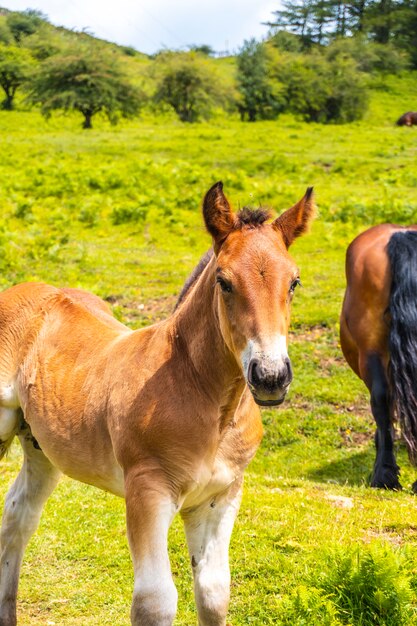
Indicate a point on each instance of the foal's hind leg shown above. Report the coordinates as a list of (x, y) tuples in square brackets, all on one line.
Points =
[(386, 470), (22, 511), (208, 529)]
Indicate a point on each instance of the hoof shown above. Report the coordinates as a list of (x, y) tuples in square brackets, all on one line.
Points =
[(387, 478)]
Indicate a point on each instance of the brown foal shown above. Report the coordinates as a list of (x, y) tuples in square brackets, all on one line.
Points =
[(165, 416)]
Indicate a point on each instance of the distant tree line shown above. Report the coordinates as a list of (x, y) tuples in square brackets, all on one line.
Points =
[(317, 63), (322, 21)]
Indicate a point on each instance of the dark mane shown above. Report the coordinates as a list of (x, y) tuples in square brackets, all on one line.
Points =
[(251, 217), (193, 277)]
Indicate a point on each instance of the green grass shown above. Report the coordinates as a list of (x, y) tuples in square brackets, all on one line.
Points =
[(117, 211)]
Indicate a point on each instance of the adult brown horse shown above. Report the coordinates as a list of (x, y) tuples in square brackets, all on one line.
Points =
[(378, 333), (408, 119), (165, 416)]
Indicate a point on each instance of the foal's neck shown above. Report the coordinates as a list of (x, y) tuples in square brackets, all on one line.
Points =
[(197, 329)]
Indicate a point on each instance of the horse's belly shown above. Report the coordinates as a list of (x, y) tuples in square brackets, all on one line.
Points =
[(79, 448)]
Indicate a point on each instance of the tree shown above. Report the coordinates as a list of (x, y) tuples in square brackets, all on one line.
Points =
[(5, 33), (296, 17), (15, 64), (260, 97), (23, 24), (88, 81), (320, 90), (202, 49), (45, 43), (187, 82)]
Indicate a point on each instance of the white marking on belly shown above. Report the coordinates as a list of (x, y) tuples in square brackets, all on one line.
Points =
[(8, 396)]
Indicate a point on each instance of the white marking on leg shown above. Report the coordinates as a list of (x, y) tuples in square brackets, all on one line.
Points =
[(208, 529), (149, 516), (22, 511)]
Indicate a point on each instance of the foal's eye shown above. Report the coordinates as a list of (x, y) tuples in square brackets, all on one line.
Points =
[(294, 284), (225, 286)]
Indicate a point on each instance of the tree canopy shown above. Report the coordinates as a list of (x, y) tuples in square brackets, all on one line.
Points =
[(260, 97), (321, 21), (85, 80), (186, 83), (15, 65)]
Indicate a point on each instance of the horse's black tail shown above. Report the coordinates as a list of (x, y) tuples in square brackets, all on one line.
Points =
[(402, 254)]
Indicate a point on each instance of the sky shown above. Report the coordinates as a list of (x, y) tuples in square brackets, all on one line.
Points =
[(150, 25)]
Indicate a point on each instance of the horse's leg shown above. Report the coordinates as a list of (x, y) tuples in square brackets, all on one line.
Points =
[(22, 510), (208, 529), (149, 513), (386, 470)]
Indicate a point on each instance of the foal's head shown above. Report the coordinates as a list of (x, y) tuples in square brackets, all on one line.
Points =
[(255, 283)]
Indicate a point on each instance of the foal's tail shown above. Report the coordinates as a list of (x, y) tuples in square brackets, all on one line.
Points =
[(402, 254)]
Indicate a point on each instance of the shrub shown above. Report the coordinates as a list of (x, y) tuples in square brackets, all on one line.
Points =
[(23, 24), (322, 91), (364, 586), (368, 56), (188, 83), (260, 96), (129, 213)]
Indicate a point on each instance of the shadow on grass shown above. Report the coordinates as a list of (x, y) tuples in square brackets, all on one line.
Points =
[(354, 469)]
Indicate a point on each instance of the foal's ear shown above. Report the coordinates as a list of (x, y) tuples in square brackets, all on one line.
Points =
[(218, 216), (295, 221)]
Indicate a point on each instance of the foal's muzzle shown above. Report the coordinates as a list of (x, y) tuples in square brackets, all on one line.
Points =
[(269, 382)]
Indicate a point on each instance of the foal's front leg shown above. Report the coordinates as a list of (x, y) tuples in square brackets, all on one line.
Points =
[(208, 529), (149, 513)]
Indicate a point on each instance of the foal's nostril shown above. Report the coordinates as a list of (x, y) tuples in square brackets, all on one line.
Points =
[(289, 370), (253, 373), (269, 379)]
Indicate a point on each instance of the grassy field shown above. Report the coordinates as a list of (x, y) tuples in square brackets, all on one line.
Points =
[(117, 211)]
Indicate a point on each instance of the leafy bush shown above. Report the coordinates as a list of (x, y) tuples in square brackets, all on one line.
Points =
[(129, 213), (23, 24), (322, 91), (5, 33), (364, 586), (368, 56), (260, 96), (309, 606), (187, 83), (288, 42)]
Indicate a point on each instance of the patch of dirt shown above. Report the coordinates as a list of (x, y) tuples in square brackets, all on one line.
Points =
[(394, 538), (151, 311), (311, 333), (342, 409), (340, 502), (353, 438)]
